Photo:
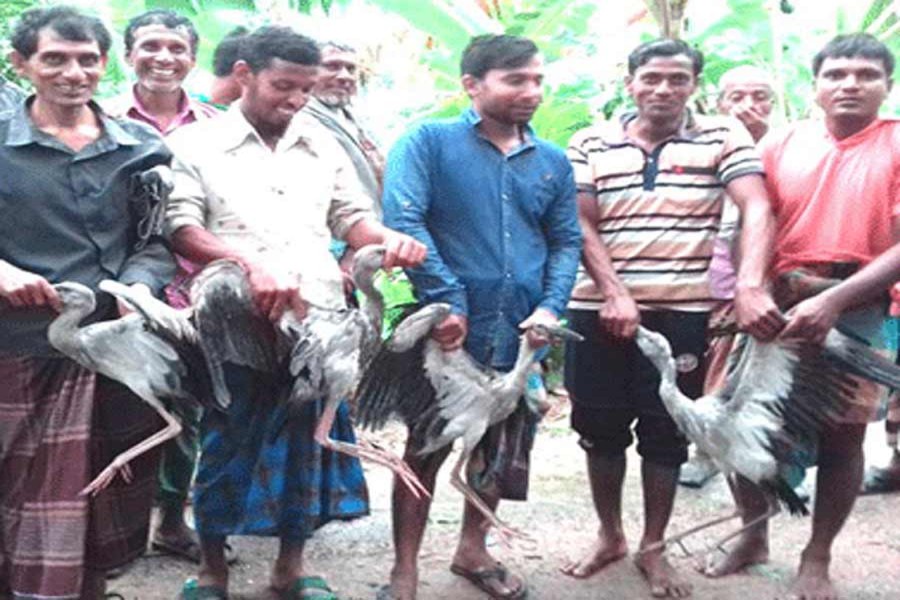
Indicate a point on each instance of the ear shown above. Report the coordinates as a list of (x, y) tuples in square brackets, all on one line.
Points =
[(242, 73), (18, 62), (471, 85)]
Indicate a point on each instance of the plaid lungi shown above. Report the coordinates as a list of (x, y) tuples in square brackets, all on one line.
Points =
[(261, 473), (60, 425)]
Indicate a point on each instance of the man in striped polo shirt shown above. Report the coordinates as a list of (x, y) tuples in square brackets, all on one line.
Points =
[(650, 192)]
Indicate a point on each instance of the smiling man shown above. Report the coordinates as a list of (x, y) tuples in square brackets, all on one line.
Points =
[(496, 207), (65, 197), (651, 186), (835, 188), (257, 186)]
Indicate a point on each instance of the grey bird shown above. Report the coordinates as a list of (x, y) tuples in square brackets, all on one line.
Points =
[(153, 351), (443, 396), (778, 397)]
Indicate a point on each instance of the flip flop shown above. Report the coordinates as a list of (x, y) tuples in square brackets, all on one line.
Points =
[(311, 587), (192, 590), (482, 579), (880, 481), (189, 550)]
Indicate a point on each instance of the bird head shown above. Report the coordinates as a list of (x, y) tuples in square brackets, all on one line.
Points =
[(74, 296), (417, 325), (556, 332), (367, 261), (654, 345)]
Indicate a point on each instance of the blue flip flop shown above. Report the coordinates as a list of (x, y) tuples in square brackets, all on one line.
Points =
[(192, 590)]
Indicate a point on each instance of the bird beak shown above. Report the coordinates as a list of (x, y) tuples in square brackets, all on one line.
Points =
[(562, 333)]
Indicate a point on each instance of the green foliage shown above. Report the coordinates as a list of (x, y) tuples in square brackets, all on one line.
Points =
[(9, 12)]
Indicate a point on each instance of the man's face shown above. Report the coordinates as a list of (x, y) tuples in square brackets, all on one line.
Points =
[(63, 72), (161, 58), (509, 96), (273, 96), (338, 77), (662, 86), (741, 97), (851, 88)]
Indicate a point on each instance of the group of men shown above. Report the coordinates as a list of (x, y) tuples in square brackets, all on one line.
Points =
[(482, 213)]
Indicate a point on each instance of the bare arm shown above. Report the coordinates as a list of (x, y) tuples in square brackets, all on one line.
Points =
[(22, 288), (756, 311), (401, 250), (619, 315)]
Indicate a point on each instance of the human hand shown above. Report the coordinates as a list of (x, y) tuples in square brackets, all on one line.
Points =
[(812, 319), (401, 250), (26, 289), (756, 122), (619, 316), (451, 332), (273, 297), (757, 313), (540, 316)]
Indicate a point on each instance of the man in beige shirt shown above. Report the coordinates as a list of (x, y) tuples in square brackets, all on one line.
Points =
[(256, 186)]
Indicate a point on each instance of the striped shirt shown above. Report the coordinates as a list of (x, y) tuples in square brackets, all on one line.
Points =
[(660, 211)]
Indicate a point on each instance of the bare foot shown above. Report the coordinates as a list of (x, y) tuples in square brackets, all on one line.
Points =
[(748, 551), (402, 587), (603, 552), (664, 580), (812, 582)]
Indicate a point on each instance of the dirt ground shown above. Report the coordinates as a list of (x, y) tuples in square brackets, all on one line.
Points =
[(355, 557)]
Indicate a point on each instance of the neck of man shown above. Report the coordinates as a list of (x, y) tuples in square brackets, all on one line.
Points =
[(75, 126), (269, 133), (505, 136), (843, 127), (650, 132), (159, 104)]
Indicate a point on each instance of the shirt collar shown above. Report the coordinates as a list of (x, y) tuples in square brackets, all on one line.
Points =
[(471, 117), (686, 131), (238, 130), (22, 130)]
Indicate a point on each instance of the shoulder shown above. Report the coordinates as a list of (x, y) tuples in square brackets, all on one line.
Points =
[(778, 138), (599, 134), (205, 133), (118, 106), (203, 110)]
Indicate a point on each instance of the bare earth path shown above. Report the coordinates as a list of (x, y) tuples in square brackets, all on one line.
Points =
[(355, 557)]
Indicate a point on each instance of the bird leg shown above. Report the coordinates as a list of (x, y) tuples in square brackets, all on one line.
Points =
[(719, 544), (120, 463), (678, 538), (506, 533), (367, 451)]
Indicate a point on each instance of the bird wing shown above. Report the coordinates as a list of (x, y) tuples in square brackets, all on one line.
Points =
[(231, 328)]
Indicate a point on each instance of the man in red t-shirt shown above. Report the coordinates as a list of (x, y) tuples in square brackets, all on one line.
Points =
[(834, 184)]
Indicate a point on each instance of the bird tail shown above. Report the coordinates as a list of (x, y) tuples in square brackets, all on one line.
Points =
[(862, 360), (786, 495)]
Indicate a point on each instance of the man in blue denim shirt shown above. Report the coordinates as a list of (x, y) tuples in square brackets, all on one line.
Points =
[(496, 207)]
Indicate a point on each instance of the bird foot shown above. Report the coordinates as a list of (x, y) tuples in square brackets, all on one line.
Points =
[(106, 477), (367, 451), (510, 536)]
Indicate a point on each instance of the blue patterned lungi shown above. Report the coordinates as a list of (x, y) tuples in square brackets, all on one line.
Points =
[(260, 474)]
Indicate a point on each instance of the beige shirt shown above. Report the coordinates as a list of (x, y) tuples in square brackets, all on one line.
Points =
[(277, 208)]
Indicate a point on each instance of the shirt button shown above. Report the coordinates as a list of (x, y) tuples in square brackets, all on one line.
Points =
[(509, 275), (505, 196)]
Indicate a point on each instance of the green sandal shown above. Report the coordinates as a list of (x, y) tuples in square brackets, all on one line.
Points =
[(308, 588), (192, 590)]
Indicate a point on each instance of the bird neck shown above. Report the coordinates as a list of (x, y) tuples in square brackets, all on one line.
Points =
[(673, 399), (517, 377), (374, 304), (63, 330)]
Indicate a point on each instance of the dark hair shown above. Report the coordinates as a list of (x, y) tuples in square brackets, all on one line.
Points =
[(641, 55), (855, 45), (486, 52), (228, 51), (68, 22), (339, 46), (161, 16), (260, 47)]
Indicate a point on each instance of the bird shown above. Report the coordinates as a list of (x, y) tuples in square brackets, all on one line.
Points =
[(443, 396), (320, 356), (153, 351), (778, 397)]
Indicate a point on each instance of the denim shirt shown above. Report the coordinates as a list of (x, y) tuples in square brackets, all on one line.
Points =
[(501, 230), (67, 216)]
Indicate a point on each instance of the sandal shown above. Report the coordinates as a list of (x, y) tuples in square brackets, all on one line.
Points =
[(880, 481), (487, 578), (189, 550), (192, 590), (312, 587)]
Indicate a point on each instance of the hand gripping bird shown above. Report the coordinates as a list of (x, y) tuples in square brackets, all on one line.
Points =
[(442, 396), (778, 397), (153, 351)]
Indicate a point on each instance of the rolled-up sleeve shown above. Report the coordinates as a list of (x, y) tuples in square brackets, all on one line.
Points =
[(187, 202), (349, 203)]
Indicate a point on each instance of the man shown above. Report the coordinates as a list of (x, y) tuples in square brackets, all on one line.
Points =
[(67, 171), (161, 47), (745, 92), (255, 188), (225, 89), (833, 184), (331, 105), (495, 206), (651, 187)]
